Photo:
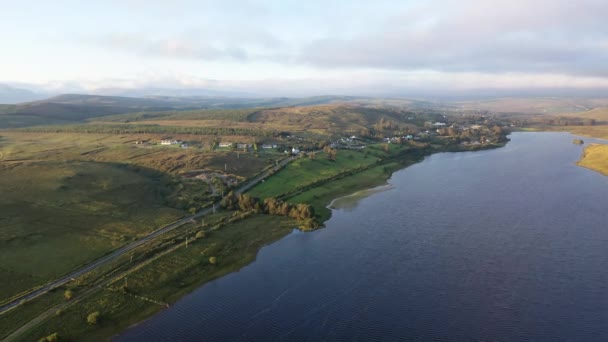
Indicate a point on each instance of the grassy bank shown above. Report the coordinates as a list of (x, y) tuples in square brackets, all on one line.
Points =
[(165, 280), (320, 197), (319, 181), (595, 157)]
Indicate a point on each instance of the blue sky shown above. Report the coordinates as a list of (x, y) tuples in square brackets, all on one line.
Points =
[(305, 47)]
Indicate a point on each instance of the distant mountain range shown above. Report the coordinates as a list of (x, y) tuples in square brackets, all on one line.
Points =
[(78, 108), (10, 94), (74, 108)]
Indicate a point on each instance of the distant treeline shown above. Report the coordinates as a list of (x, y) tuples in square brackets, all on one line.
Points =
[(152, 129)]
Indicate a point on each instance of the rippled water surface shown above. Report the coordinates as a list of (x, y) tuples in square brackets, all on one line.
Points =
[(501, 245)]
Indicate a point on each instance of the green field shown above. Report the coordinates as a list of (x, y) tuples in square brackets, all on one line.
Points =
[(305, 171), (58, 216), (70, 198), (165, 280), (323, 180)]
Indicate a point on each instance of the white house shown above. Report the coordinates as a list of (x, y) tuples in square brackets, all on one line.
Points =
[(169, 142), (225, 144), (295, 150)]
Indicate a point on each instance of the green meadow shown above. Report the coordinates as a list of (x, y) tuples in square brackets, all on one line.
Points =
[(58, 216), (166, 279)]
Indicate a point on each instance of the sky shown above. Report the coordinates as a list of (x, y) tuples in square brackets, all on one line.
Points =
[(301, 48)]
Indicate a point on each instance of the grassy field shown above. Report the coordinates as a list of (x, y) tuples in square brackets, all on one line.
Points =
[(599, 114), (165, 280), (121, 148), (58, 216), (595, 157), (320, 197), (70, 198), (598, 131), (306, 172)]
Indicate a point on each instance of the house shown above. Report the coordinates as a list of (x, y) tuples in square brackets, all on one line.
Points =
[(269, 146), (295, 150), (225, 144), (169, 142), (240, 145), (439, 124), (184, 145)]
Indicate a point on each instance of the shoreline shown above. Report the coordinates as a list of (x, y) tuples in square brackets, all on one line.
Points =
[(353, 187), (359, 195), (593, 158)]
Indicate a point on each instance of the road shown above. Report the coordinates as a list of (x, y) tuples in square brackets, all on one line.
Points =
[(127, 248)]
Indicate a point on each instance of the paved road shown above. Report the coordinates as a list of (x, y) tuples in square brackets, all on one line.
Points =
[(121, 251)]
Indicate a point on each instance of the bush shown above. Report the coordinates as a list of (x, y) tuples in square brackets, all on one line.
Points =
[(212, 260), (51, 338), (200, 235), (68, 294), (93, 317)]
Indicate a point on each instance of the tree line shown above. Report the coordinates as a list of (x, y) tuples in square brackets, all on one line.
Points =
[(271, 206)]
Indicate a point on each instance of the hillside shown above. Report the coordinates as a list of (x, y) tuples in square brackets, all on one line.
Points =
[(540, 105), (334, 119), (77, 108), (599, 114)]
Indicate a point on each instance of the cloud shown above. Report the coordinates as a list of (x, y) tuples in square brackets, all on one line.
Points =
[(231, 43), (533, 36), (490, 36)]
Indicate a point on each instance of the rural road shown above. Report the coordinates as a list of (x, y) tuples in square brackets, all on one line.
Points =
[(127, 248)]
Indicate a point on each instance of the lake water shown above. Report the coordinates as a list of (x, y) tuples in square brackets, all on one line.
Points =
[(501, 245)]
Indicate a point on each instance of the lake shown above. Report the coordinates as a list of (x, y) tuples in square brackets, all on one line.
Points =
[(508, 244)]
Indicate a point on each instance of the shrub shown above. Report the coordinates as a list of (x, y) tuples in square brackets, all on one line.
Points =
[(93, 317), (212, 260), (200, 235), (68, 294), (51, 338)]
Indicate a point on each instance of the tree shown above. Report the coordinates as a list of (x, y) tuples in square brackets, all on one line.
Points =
[(284, 209), (331, 153), (200, 235), (229, 201), (213, 260), (68, 294), (271, 205), (93, 318)]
